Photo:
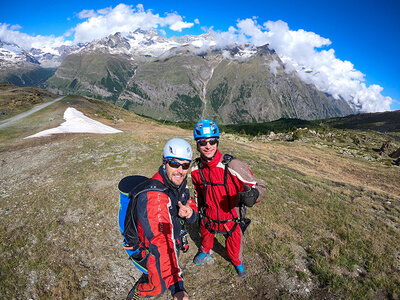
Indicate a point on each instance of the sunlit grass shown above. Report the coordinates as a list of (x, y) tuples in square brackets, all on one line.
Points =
[(333, 233)]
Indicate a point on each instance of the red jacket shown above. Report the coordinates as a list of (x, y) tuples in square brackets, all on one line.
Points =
[(159, 229), (220, 205)]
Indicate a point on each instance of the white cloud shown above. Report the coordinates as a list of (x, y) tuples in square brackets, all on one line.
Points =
[(84, 14), (11, 34), (301, 51), (273, 67), (196, 21), (175, 22), (15, 27), (98, 24), (124, 18)]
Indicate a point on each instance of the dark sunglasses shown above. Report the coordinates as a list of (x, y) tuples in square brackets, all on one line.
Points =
[(204, 143), (174, 164)]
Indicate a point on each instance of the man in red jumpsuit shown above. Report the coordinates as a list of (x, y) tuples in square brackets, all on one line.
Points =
[(224, 186), (163, 205)]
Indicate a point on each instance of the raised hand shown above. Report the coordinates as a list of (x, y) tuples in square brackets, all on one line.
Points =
[(185, 211)]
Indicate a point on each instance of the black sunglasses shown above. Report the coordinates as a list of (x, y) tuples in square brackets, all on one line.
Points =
[(174, 164), (204, 143)]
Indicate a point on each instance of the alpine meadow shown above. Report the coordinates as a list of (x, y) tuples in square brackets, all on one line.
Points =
[(327, 228)]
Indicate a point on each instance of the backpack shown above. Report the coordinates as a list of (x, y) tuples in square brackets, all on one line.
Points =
[(129, 189)]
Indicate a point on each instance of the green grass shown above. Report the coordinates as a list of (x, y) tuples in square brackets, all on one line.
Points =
[(187, 107), (304, 214), (60, 202), (218, 95), (15, 100)]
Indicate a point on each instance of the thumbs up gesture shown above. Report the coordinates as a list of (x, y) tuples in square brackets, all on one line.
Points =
[(185, 211)]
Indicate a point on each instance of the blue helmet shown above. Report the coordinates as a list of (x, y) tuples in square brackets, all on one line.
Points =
[(205, 129)]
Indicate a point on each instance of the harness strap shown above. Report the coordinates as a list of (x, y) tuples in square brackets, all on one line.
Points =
[(219, 221), (207, 221), (208, 225)]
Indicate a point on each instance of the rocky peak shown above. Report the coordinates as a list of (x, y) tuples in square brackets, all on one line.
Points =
[(12, 54), (264, 49), (115, 40)]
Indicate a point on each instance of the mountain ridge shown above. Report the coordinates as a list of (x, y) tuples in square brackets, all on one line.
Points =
[(182, 78)]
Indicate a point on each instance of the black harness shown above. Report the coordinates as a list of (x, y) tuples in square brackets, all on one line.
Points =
[(207, 221)]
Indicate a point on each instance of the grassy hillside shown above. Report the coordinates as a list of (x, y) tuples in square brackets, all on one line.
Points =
[(26, 76), (327, 228), (15, 100), (382, 122)]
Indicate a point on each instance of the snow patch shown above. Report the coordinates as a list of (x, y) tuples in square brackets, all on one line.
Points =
[(77, 122)]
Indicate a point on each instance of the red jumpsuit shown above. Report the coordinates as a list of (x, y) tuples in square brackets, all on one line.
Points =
[(220, 202), (159, 229)]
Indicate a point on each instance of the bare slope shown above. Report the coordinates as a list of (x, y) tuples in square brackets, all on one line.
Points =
[(14, 99), (327, 228), (182, 85)]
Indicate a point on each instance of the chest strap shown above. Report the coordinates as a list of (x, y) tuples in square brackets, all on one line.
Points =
[(207, 221)]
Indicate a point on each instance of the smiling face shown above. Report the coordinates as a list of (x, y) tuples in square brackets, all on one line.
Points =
[(176, 175), (207, 151)]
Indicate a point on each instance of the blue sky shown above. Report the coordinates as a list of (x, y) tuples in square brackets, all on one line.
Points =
[(366, 33)]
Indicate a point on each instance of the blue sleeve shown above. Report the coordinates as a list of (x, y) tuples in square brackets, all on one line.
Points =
[(193, 218)]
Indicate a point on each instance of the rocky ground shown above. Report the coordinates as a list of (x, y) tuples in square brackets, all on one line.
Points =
[(327, 229)]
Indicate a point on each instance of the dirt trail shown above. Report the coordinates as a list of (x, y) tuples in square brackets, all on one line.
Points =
[(7, 122)]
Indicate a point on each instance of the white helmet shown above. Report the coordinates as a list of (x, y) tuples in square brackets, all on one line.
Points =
[(178, 148)]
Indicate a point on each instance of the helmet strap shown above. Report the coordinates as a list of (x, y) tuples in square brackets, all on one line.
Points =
[(164, 166)]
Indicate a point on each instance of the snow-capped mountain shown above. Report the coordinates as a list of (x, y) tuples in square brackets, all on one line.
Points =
[(53, 57), (188, 77), (142, 43), (135, 44), (178, 78), (11, 55)]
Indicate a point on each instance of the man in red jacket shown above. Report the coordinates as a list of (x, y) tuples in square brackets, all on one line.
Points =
[(163, 205), (224, 186)]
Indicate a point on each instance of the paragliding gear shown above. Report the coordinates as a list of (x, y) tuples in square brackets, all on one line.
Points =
[(201, 257), (138, 253), (175, 164), (241, 270), (203, 143), (208, 221), (139, 225), (178, 148), (205, 129), (133, 294), (185, 243), (244, 222), (249, 196), (222, 202), (130, 187)]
